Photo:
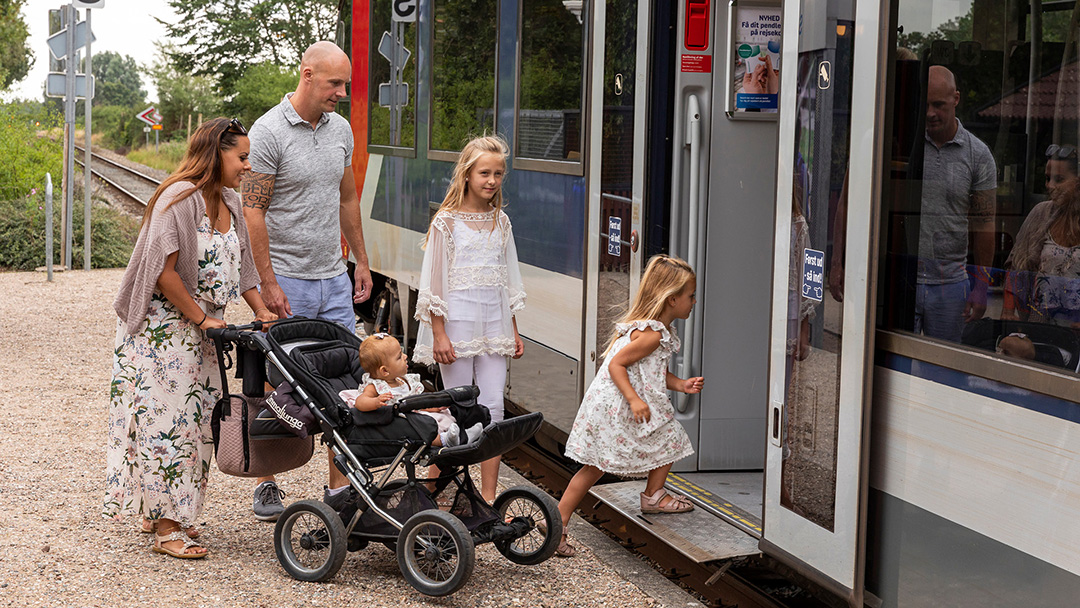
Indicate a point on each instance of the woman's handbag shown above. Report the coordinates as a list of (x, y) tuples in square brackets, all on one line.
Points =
[(236, 451)]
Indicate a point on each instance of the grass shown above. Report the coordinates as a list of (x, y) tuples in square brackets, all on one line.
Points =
[(167, 158)]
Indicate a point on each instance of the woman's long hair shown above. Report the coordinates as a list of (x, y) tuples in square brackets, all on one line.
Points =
[(470, 154), (1027, 252), (665, 276), (202, 166)]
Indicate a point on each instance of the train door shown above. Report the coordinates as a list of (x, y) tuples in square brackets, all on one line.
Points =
[(617, 121), (822, 302)]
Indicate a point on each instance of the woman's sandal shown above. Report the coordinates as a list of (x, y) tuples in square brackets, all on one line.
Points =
[(177, 535), (565, 549), (148, 526), (677, 504)]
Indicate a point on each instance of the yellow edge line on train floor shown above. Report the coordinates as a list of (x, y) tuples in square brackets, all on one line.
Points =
[(706, 497)]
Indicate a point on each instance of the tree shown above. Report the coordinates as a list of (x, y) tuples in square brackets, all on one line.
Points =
[(181, 93), (15, 55), (260, 88), (223, 38), (116, 80)]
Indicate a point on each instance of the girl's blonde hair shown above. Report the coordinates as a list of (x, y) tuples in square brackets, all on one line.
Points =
[(665, 276), (470, 154)]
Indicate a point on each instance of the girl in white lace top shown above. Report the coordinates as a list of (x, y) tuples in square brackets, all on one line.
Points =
[(470, 285)]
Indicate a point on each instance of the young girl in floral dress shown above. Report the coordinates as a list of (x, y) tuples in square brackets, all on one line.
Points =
[(626, 424), (191, 259), (470, 286)]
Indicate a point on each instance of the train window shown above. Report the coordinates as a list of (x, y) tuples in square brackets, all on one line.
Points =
[(980, 224), (392, 82), (548, 125), (463, 71)]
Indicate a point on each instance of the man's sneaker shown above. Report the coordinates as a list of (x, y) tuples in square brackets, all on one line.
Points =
[(267, 505), (340, 499)]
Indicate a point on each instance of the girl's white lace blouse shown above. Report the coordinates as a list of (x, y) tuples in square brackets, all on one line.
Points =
[(470, 277)]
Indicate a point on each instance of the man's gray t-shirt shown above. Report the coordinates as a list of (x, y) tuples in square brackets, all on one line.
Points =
[(303, 221), (951, 174)]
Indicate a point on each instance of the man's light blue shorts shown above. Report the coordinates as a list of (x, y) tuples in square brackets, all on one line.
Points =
[(329, 299)]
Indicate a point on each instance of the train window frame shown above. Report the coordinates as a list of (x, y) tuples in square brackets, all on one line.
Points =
[(434, 153), (1023, 374), (564, 167), (373, 88)]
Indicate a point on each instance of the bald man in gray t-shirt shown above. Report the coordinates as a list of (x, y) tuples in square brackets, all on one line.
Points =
[(958, 199)]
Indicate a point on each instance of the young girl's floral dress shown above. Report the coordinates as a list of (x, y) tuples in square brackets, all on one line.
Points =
[(605, 434), (164, 386)]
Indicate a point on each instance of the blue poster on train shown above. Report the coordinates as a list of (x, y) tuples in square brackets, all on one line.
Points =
[(813, 278), (756, 70)]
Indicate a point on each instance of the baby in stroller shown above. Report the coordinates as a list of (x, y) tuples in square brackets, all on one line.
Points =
[(386, 381)]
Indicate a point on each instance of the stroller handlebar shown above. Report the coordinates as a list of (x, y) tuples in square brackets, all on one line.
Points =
[(464, 396), (232, 333)]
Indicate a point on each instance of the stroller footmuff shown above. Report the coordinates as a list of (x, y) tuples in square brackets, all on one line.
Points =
[(379, 453)]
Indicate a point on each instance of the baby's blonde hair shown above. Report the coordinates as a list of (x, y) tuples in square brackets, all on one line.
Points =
[(375, 350), (470, 154), (665, 276)]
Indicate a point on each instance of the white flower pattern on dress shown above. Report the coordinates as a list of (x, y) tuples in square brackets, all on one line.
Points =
[(605, 434)]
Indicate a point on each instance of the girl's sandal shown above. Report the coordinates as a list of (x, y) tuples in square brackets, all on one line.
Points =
[(177, 535), (676, 504), (148, 526), (565, 549)]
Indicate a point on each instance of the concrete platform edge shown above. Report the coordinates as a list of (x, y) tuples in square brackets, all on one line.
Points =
[(628, 566)]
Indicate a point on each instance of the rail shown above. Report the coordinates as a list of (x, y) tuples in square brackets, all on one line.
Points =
[(117, 173)]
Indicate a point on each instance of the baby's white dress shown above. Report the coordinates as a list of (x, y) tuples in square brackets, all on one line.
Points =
[(605, 434), (470, 277), (410, 385)]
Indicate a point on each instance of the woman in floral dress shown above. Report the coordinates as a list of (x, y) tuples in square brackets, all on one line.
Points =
[(191, 259)]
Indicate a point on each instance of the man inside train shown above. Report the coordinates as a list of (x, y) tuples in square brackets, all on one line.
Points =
[(959, 181)]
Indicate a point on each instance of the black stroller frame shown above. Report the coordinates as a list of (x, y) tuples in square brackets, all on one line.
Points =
[(434, 548)]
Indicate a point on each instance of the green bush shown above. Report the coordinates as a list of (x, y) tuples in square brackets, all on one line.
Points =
[(31, 147), (22, 232), (167, 158), (118, 127)]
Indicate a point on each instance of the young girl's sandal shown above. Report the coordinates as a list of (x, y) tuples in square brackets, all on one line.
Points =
[(565, 549), (148, 526), (676, 504), (177, 535)]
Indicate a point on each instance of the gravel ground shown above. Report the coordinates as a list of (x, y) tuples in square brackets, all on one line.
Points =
[(56, 549)]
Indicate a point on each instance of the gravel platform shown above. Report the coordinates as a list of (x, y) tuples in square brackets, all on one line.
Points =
[(56, 343)]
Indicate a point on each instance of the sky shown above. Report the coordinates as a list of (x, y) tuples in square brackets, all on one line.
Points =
[(122, 26)]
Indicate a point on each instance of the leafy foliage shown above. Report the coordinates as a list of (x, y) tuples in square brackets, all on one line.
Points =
[(260, 88), (15, 55), (181, 93), (116, 80), (30, 147), (118, 127), (223, 38), (463, 87)]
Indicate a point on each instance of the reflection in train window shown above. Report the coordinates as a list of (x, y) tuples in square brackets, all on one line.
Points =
[(551, 80), (463, 71), (392, 80), (815, 309), (981, 208)]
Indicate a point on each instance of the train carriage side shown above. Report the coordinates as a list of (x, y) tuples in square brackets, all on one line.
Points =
[(797, 169)]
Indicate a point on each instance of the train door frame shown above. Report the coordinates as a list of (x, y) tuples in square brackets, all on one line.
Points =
[(631, 237), (835, 559)]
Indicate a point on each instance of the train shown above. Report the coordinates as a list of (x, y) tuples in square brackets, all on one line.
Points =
[(784, 149)]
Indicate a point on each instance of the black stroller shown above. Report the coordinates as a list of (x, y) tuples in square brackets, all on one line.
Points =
[(435, 548)]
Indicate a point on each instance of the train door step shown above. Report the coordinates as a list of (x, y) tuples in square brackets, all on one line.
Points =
[(734, 496), (699, 535)]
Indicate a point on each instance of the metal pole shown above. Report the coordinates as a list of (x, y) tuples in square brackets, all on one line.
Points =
[(155, 140), (393, 84), (86, 158), (48, 227), (69, 119)]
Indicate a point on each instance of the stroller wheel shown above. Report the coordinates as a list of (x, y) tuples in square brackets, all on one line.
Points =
[(542, 512), (435, 552), (309, 540)]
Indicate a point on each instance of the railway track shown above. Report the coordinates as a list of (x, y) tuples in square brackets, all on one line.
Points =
[(750, 582), (131, 183)]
